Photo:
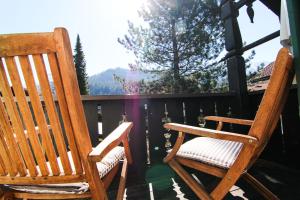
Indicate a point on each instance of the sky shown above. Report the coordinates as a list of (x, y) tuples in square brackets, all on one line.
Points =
[(101, 22)]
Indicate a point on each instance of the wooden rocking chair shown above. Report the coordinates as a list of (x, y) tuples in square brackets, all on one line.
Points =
[(45, 147), (229, 155)]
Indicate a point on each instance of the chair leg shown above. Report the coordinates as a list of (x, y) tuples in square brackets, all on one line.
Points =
[(258, 186), (198, 189), (7, 196), (123, 178)]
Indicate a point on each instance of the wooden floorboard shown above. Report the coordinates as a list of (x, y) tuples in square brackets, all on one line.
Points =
[(281, 180)]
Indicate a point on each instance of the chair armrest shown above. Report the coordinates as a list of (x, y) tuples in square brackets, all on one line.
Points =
[(175, 148), (229, 120), (116, 137), (223, 135)]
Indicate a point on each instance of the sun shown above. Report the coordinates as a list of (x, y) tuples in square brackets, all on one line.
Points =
[(130, 8)]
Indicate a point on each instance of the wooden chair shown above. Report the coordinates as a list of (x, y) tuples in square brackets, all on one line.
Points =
[(44, 138), (229, 155)]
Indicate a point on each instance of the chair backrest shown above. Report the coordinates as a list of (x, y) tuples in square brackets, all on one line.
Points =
[(273, 100), (37, 129)]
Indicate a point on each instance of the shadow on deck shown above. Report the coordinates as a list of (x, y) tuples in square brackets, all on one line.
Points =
[(162, 183)]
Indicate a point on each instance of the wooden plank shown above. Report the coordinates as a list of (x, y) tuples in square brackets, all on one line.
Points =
[(75, 108), (17, 120), (17, 125), (25, 196), (229, 120), (27, 117), (52, 112), (111, 141), (57, 79), (212, 170), (186, 177), (26, 44), (5, 161), (258, 186), (223, 135), (39, 114), (175, 148), (27, 180), (122, 182), (14, 152), (108, 178), (127, 150), (220, 126)]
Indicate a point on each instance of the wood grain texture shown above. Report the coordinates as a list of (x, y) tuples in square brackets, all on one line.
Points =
[(33, 138), (229, 120), (30, 132), (57, 79), (39, 113), (178, 143), (223, 135), (76, 112), (17, 126), (10, 143), (209, 169), (111, 141), (122, 181), (51, 196), (26, 44), (259, 134), (52, 112), (197, 188)]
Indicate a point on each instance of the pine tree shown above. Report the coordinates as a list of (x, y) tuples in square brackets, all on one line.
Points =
[(178, 42), (80, 66)]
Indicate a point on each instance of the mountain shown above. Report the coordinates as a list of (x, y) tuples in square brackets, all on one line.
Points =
[(104, 83)]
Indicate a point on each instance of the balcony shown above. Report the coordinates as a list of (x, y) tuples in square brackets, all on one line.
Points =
[(150, 178)]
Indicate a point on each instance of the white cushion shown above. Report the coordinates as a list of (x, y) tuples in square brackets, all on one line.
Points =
[(221, 153), (106, 164)]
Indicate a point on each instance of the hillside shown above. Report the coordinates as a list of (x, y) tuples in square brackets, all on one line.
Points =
[(104, 83)]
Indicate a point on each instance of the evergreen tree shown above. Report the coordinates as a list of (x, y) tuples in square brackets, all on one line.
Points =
[(80, 66), (178, 43)]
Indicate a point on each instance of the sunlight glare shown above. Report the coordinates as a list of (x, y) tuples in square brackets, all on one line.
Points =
[(129, 8)]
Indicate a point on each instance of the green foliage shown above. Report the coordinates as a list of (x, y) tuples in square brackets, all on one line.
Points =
[(251, 73), (80, 66), (178, 43)]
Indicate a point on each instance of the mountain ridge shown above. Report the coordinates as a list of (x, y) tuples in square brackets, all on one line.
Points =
[(104, 83)]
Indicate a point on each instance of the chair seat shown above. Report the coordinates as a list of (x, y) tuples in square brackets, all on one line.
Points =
[(221, 153), (106, 164)]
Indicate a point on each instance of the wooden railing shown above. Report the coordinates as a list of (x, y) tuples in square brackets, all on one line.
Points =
[(149, 112)]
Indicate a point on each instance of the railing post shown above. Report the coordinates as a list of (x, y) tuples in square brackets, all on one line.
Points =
[(236, 62), (91, 114), (294, 19)]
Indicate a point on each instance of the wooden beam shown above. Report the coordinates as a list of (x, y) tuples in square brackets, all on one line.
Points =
[(294, 20)]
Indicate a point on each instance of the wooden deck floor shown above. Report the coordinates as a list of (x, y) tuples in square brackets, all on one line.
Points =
[(162, 184)]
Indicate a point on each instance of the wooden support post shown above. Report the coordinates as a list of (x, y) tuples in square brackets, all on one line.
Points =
[(294, 19), (236, 63)]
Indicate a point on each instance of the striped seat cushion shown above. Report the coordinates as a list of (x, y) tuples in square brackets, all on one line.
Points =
[(221, 153), (106, 164)]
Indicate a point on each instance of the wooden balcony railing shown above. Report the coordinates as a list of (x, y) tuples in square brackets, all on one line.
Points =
[(149, 112)]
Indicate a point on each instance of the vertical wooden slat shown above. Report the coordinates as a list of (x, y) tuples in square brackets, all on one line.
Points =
[(52, 112), (3, 171), (27, 117), (5, 161), (17, 165), (39, 113), (17, 123), (73, 99), (64, 111)]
